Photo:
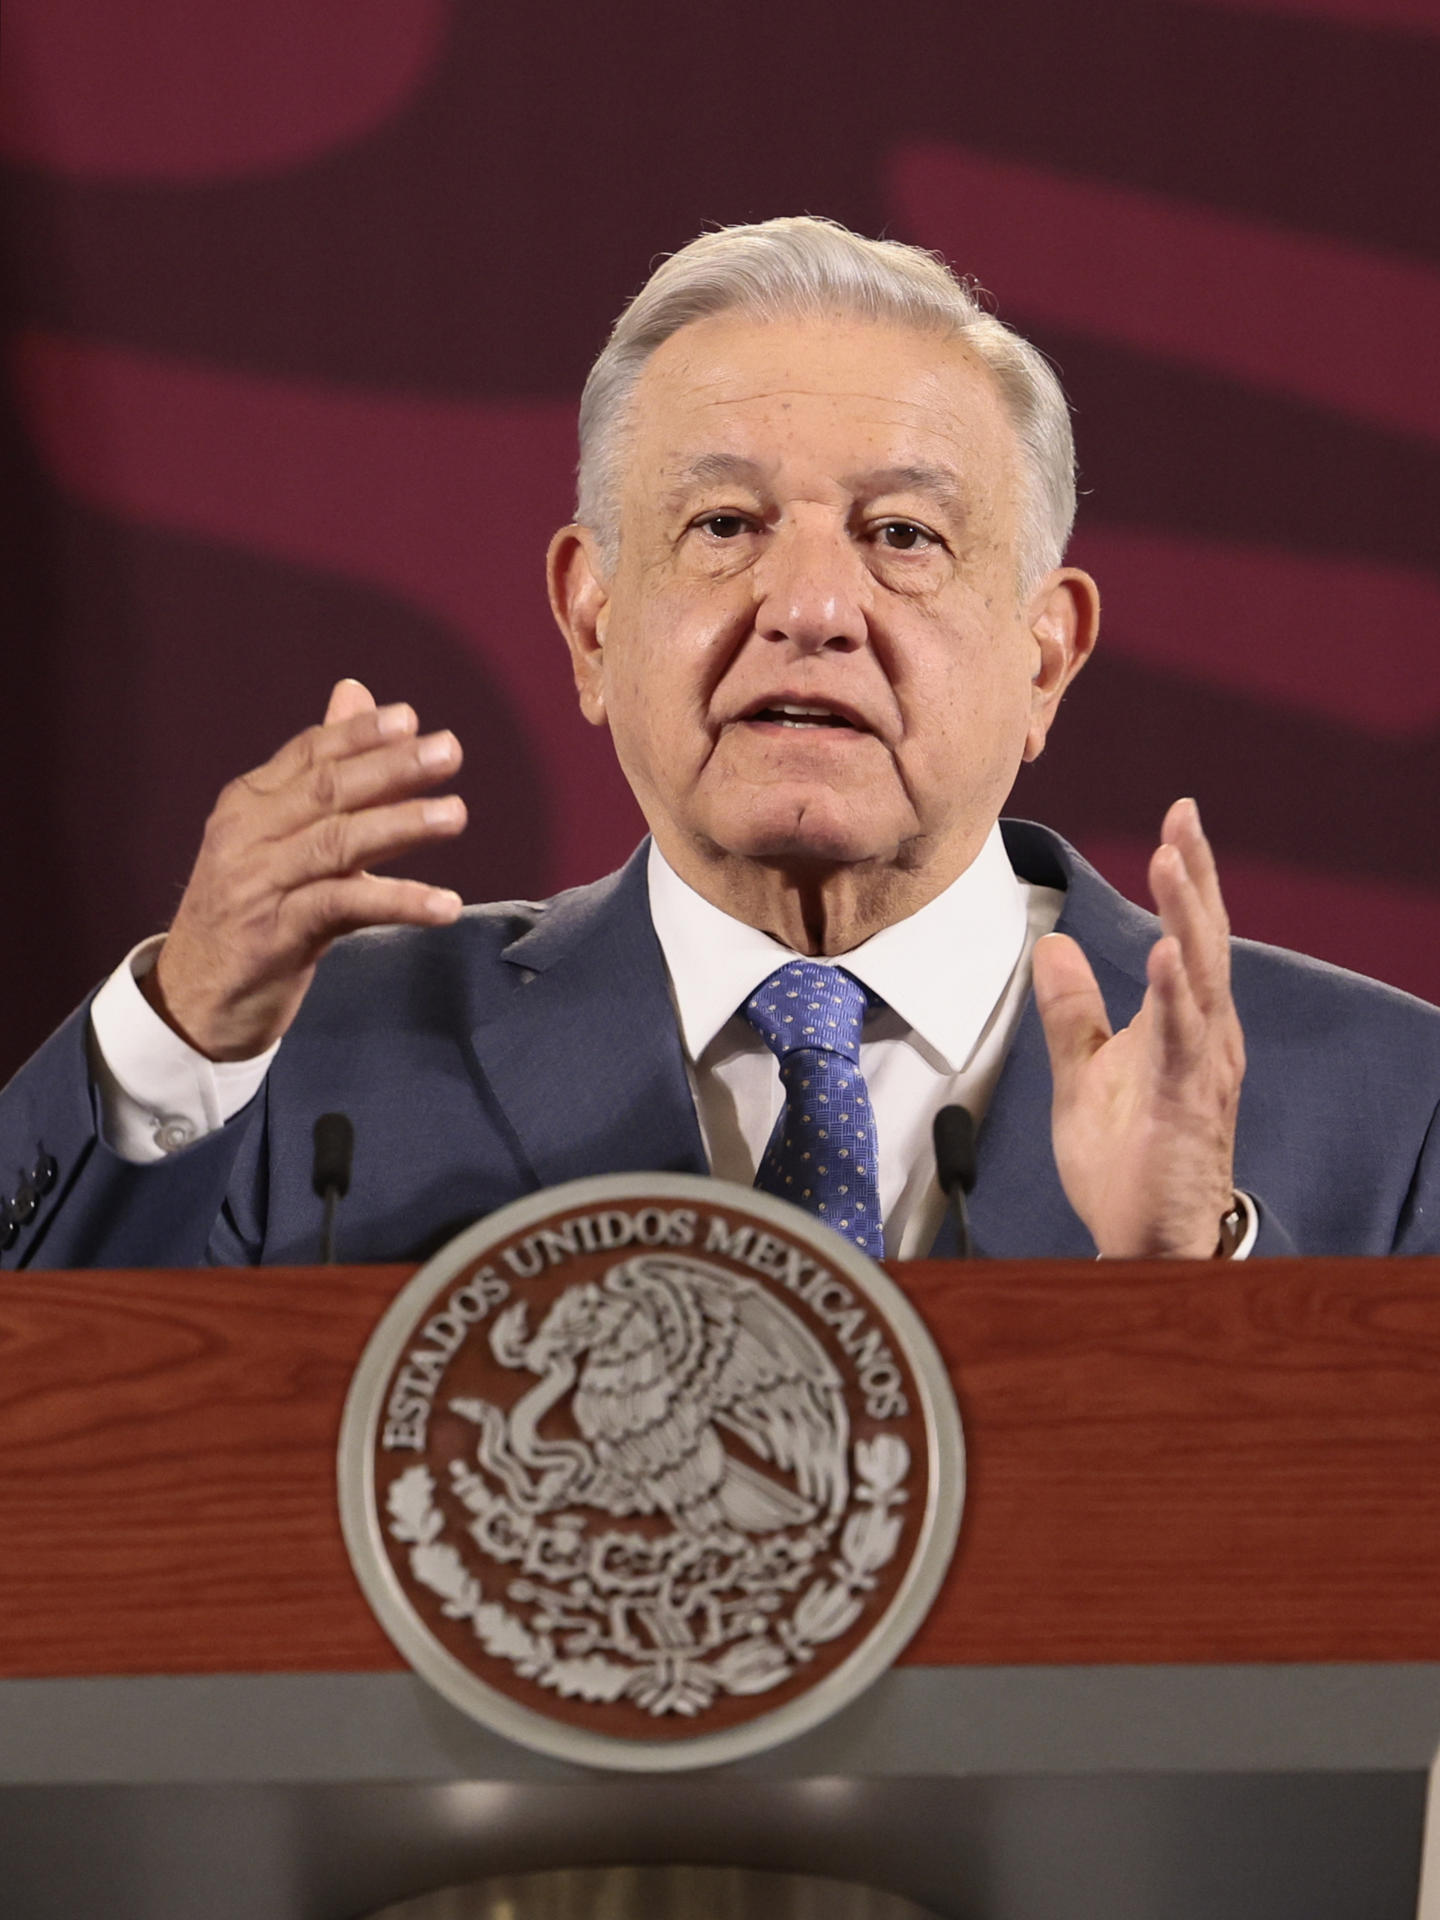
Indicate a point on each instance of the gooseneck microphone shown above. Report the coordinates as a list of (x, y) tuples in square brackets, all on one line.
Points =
[(330, 1173), (955, 1168)]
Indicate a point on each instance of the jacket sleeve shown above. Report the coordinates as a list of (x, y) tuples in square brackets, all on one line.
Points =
[(1272, 1240), (68, 1200), (1419, 1230), (1391, 1224)]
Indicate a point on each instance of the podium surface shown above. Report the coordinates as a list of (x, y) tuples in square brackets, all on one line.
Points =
[(1186, 1660)]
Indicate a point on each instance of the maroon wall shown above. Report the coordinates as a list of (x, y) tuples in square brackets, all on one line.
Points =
[(299, 296)]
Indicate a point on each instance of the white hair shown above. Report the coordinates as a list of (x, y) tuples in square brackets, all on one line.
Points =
[(804, 268)]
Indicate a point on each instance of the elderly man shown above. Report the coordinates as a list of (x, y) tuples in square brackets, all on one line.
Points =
[(815, 589)]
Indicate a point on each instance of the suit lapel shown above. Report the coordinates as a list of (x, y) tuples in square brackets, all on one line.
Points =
[(1018, 1209), (583, 1057)]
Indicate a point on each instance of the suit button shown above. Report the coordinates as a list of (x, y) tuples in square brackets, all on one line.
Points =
[(21, 1209), (8, 1231), (43, 1173)]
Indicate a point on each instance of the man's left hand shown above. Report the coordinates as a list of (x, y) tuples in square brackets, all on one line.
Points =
[(1144, 1119)]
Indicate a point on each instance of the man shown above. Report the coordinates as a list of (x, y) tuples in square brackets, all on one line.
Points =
[(816, 591)]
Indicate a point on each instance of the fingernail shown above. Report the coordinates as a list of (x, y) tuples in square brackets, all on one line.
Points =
[(441, 904), (443, 813), (397, 719), (436, 751)]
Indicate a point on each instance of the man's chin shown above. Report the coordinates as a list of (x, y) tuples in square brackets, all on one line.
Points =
[(828, 833)]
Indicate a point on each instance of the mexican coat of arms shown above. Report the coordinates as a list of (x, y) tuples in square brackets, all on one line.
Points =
[(646, 1478)]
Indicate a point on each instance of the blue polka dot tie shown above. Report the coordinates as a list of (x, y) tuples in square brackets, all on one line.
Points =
[(822, 1152)]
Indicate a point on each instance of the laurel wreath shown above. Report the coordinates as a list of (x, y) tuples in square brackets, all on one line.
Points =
[(829, 1607)]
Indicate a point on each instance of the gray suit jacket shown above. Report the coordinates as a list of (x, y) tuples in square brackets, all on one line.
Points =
[(535, 1042)]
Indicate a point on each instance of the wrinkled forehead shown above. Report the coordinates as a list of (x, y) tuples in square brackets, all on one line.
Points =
[(819, 397)]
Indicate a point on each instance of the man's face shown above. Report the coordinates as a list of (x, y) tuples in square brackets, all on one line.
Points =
[(810, 650)]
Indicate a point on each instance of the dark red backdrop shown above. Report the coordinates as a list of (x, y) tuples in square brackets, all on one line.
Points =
[(299, 296)]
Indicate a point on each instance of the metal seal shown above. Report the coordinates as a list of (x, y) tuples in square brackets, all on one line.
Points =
[(650, 1471)]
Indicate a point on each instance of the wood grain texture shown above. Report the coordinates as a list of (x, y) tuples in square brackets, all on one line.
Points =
[(1170, 1463), (1166, 1463)]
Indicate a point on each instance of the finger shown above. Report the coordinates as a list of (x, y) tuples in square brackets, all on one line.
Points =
[(320, 913), (340, 739), (1202, 934), (329, 786), (1178, 1027), (1182, 829), (1071, 1009), (343, 843), (347, 698)]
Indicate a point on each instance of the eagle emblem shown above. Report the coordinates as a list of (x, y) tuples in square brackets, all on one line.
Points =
[(637, 1486), (680, 1377)]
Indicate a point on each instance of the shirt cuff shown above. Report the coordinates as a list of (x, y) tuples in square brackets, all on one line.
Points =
[(1252, 1225), (157, 1094)]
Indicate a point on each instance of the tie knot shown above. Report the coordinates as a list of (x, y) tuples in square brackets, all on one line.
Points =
[(805, 1004)]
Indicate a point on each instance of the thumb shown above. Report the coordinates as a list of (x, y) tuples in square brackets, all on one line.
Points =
[(347, 698), (1070, 1007)]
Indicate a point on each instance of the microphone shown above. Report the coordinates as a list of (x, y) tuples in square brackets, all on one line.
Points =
[(955, 1168), (330, 1174)]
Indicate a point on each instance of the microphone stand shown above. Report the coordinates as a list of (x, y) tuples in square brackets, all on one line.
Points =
[(954, 1137), (330, 1175)]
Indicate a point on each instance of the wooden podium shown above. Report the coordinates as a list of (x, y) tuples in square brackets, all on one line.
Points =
[(1186, 1662)]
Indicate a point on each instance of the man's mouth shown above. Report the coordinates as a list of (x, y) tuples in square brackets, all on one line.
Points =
[(786, 713)]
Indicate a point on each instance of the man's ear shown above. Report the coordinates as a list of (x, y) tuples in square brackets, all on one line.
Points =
[(1063, 616), (580, 601)]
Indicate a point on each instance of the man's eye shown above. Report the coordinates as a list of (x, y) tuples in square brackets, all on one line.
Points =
[(724, 526), (903, 536)]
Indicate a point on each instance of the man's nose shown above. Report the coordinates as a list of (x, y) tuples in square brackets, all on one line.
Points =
[(813, 590)]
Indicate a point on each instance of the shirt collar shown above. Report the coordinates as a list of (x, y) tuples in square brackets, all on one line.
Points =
[(942, 971)]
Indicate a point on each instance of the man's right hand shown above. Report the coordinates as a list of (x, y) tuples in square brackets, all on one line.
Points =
[(281, 871)]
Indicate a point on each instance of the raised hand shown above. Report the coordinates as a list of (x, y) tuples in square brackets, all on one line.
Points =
[(1144, 1119), (281, 871)]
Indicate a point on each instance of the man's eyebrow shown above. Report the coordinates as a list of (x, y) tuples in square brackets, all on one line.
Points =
[(714, 469), (940, 482)]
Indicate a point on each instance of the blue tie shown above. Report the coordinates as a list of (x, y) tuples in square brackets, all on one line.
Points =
[(822, 1153)]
